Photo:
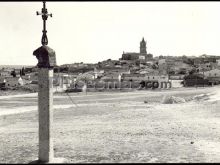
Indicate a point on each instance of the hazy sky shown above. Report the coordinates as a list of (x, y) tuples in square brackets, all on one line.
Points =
[(95, 31)]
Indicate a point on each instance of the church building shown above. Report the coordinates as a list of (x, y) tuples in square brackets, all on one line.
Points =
[(143, 56)]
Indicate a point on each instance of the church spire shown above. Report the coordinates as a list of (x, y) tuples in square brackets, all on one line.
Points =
[(143, 48)]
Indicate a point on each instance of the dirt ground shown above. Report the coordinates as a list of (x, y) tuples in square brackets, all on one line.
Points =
[(113, 127), (12, 92)]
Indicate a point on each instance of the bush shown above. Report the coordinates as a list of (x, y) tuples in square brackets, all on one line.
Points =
[(172, 100)]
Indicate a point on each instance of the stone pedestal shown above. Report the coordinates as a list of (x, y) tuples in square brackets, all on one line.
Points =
[(46, 62), (45, 109)]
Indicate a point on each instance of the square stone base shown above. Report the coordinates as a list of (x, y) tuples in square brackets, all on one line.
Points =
[(53, 161)]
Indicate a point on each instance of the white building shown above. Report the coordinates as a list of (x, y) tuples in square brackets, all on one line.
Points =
[(162, 66), (13, 81), (211, 73), (218, 62)]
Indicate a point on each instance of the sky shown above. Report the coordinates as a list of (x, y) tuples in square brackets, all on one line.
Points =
[(90, 32)]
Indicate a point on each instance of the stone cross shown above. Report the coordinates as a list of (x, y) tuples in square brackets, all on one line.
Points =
[(46, 62)]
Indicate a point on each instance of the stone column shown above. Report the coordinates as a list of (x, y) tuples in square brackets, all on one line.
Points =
[(45, 110), (46, 61)]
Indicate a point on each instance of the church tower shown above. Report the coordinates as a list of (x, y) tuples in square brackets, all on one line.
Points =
[(143, 48)]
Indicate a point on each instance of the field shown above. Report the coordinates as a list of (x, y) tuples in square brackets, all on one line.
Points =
[(113, 127)]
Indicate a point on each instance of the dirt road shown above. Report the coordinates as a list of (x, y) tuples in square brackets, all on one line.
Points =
[(117, 127)]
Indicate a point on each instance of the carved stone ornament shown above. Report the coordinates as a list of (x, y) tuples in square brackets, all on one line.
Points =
[(46, 57)]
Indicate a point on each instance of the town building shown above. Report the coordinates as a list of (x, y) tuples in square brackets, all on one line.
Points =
[(98, 73), (142, 55), (11, 82), (5, 73), (195, 80), (218, 62), (162, 80), (162, 66), (205, 59), (213, 76)]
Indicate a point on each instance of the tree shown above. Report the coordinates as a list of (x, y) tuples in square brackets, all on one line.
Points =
[(160, 57), (22, 72), (13, 73), (154, 66), (99, 65), (182, 72), (192, 71), (137, 63), (172, 72)]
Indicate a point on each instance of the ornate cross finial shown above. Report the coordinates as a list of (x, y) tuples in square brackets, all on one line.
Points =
[(44, 40)]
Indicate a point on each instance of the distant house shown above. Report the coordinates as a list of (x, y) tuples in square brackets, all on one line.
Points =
[(195, 80), (2, 82), (156, 81), (205, 59), (28, 69), (148, 71), (143, 71), (2, 79), (86, 76), (218, 62), (107, 78), (176, 77), (26, 77), (11, 82), (205, 66), (212, 73), (177, 83), (158, 78), (162, 66), (118, 66), (17, 71), (7, 69), (112, 77), (145, 77), (5, 73), (213, 76), (34, 82), (132, 77), (98, 73), (2, 85), (64, 80)]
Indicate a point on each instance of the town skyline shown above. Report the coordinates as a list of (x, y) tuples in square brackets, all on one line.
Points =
[(90, 32)]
